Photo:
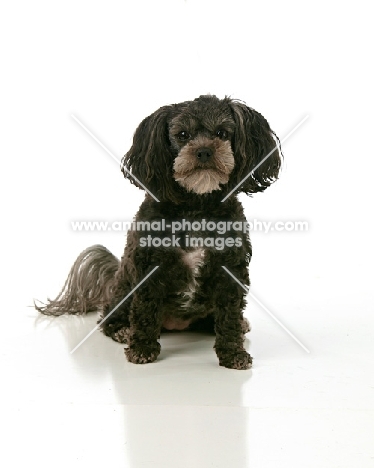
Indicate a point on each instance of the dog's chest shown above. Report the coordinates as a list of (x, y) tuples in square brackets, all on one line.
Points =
[(194, 260)]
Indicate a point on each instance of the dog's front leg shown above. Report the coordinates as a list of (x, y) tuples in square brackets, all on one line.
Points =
[(229, 344), (229, 340), (145, 328)]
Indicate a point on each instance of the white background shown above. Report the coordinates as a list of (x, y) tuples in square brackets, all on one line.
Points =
[(111, 64)]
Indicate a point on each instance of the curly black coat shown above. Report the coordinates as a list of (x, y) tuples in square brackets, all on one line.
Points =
[(193, 158)]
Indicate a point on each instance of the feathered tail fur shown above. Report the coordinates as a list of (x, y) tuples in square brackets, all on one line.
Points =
[(88, 284)]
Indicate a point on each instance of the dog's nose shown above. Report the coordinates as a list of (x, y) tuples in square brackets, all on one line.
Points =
[(203, 154)]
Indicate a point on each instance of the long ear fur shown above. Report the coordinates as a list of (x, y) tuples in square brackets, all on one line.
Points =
[(150, 157), (253, 141)]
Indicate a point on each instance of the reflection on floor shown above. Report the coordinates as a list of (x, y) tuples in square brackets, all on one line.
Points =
[(93, 407)]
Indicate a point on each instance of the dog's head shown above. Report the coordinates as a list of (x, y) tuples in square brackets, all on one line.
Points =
[(201, 147)]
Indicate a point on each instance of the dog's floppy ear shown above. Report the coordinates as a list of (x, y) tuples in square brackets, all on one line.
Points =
[(253, 141), (150, 158)]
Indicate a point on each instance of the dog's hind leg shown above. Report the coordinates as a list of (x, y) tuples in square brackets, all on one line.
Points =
[(114, 321)]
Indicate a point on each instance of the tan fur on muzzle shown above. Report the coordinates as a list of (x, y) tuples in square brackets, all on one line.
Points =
[(200, 177)]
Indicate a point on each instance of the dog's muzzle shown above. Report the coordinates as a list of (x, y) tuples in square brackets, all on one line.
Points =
[(203, 165)]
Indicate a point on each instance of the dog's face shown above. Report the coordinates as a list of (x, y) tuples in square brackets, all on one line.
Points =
[(201, 136), (201, 147)]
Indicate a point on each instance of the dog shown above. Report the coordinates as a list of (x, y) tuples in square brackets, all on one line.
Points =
[(193, 159)]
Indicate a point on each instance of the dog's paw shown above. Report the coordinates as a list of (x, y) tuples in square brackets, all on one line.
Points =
[(143, 353), (121, 335), (239, 360), (246, 326)]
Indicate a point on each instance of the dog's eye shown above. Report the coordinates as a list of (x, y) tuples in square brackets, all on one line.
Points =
[(221, 134), (183, 135)]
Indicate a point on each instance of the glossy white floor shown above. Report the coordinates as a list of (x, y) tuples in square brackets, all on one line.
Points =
[(292, 409)]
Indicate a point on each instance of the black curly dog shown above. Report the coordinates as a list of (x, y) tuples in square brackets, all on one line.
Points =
[(188, 156)]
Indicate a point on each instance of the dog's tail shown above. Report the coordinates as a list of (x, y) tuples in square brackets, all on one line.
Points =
[(88, 284)]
